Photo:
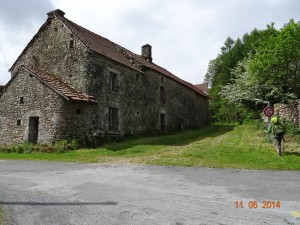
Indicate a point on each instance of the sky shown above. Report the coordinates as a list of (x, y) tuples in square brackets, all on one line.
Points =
[(184, 35)]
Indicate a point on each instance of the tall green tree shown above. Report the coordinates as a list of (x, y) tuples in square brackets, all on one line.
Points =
[(271, 72), (219, 74)]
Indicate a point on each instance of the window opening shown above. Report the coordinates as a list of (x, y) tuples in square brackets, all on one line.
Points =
[(162, 95), (114, 82), (113, 119), (71, 44)]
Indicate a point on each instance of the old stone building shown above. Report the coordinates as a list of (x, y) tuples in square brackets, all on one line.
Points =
[(69, 81)]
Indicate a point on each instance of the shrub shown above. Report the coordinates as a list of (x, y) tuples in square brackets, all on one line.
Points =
[(58, 147), (291, 127)]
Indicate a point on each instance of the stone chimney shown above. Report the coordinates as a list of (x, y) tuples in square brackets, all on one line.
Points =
[(56, 12), (147, 52)]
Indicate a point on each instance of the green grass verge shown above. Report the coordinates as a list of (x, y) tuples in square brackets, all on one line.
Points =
[(1, 214), (226, 146)]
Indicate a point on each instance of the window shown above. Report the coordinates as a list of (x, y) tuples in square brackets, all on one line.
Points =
[(162, 95), (114, 82), (162, 79), (99, 70), (78, 111), (113, 119), (137, 77), (71, 43), (35, 61), (18, 122), (21, 100)]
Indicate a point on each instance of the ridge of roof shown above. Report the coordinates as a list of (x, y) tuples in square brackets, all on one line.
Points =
[(120, 54), (109, 49), (59, 85), (99, 44), (203, 87), (1, 89), (30, 42)]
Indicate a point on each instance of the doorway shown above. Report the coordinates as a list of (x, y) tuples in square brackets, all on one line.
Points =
[(33, 129)]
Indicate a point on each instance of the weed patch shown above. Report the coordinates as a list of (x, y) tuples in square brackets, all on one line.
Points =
[(27, 148)]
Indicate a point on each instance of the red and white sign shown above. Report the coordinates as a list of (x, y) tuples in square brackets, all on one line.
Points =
[(268, 111)]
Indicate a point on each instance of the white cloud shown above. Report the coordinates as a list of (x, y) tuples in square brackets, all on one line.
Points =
[(184, 35)]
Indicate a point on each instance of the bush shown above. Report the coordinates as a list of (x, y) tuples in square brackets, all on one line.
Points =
[(59, 147), (291, 127)]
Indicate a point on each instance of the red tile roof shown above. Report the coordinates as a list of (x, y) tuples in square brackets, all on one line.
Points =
[(109, 49), (203, 87), (118, 53), (59, 86)]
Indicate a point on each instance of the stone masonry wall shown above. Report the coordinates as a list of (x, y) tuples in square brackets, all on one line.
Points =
[(51, 52), (138, 99), (58, 118), (289, 112)]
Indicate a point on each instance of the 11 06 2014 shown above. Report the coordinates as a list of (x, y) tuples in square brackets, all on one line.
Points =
[(267, 204)]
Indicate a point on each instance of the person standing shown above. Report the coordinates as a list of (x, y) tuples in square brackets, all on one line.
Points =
[(277, 129)]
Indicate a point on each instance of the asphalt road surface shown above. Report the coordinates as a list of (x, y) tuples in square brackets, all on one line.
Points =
[(48, 193)]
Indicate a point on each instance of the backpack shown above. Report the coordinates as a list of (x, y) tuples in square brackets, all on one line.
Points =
[(278, 129)]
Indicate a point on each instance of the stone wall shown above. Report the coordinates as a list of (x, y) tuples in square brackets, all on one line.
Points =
[(138, 99), (289, 112), (51, 52), (58, 118)]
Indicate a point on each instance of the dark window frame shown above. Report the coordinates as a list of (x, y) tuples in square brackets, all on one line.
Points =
[(162, 93), (113, 119), (71, 43), (114, 82)]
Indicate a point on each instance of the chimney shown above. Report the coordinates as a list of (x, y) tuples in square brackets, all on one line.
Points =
[(56, 12), (146, 52)]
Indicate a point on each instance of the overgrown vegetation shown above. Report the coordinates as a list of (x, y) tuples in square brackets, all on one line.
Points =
[(59, 147), (262, 66), (222, 146)]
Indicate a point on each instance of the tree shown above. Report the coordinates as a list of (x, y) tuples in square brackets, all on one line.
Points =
[(276, 63), (219, 74), (271, 72), (261, 66)]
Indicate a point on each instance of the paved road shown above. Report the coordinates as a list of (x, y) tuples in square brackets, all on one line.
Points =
[(69, 193)]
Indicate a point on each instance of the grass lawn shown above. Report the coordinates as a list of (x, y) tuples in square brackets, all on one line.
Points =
[(1, 214), (220, 146)]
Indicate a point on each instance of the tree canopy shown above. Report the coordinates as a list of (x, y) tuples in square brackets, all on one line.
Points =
[(263, 66)]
